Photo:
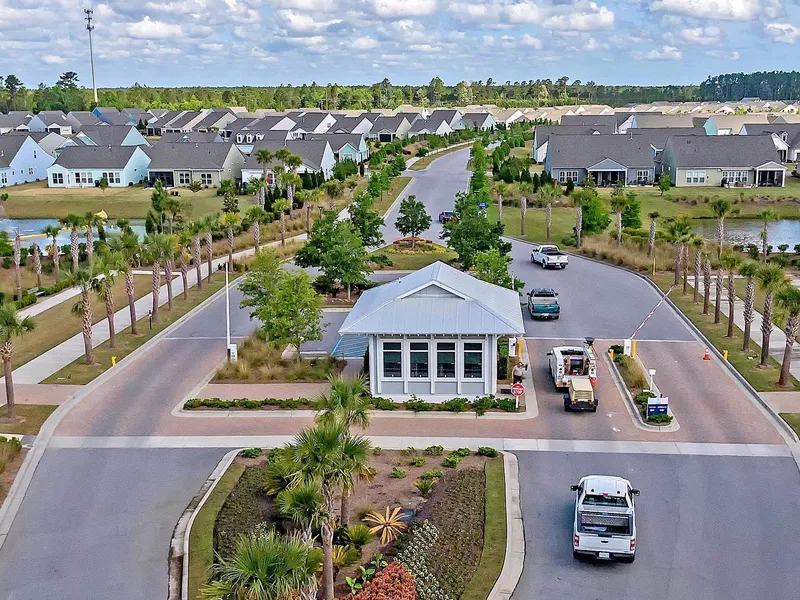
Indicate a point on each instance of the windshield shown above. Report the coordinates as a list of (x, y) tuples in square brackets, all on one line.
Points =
[(550, 251), (609, 524), (600, 500)]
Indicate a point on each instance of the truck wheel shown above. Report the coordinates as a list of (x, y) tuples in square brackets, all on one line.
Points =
[(594, 409), (544, 266), (576, 555)]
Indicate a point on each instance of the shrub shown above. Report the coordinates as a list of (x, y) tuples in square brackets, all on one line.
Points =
[(433, 474), (434, 450), (415, 554), (26, 300), (660, 419), (417, 461), (425, 486), (417, 405), (359, 535), (506, 404), (394, 582), (250, 453), (461, 452), (410, 451), (382, 404), (10, 447), (363, 511), (345, 556), (451, 461), (398, 473), (390, 524), (455, 405), (487, 451), (377, 450)]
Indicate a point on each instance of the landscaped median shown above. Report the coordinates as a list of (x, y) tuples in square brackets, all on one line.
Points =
[(427, 524), (426, 160)]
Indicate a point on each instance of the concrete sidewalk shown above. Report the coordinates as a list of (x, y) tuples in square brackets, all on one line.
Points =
[(55, 359)]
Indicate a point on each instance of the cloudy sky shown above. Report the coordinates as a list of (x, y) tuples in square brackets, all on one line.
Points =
[(267, 42)]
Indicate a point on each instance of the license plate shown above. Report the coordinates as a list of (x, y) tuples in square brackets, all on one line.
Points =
[(603, 555)]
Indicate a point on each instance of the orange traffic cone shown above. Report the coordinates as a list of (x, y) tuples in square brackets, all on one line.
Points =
[(706, 356)]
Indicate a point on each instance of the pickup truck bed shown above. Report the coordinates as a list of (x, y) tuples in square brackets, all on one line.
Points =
[(549, 256)]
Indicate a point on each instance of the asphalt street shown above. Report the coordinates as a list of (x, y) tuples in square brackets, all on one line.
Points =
[(96, 524), (716, 528)]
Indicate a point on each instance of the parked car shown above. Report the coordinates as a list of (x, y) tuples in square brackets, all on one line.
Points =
[(604, 525), (446, 216), (543, 303), (549, 256)]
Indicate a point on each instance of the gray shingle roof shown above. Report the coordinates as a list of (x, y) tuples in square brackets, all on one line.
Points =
[(590, 120), (211, 119), (85, 118), (584, 151), (166, 156), (647, 120), (182, 120), (791, 129), (437, 299), (308, 121), (49, 117), (721, 150), (658, 136), (190, 137), (13, 120), (311, 151), (390, 124), (338, 140), (9, 146), (475, 119), (543, 132), (95, 157), (346, 124), (104, 135)]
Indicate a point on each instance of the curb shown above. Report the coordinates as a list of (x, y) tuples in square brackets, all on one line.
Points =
[(179, 546), (19, 488), (515, 534)]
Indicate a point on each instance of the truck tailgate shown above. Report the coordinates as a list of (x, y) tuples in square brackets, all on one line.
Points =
[(604, 543)]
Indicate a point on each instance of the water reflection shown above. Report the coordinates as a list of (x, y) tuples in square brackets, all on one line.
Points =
[(33, 228), (746, 231)]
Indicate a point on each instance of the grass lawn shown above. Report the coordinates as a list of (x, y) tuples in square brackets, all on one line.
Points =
[(494, 534), (33, 414), (411, 261), (763, 380), (423, 162), (525, 152), (79, 373), (201, 538), (535, 230), (8, 284), (37, 201), (58, 324), (398, 185), (793, 419)]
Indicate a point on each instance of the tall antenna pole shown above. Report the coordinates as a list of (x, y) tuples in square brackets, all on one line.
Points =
[(89, 28)]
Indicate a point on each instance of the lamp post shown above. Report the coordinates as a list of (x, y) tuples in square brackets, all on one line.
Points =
[(230, 348)]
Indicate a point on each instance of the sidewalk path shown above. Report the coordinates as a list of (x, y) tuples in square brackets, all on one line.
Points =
[(49, 302)]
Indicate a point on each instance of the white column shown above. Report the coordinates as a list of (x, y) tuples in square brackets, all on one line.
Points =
[(459, 363), (375, 361), (432, 363), (487, 370), (406, 362)]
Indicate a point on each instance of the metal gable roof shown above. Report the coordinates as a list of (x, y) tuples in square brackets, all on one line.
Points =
[(436, 300)]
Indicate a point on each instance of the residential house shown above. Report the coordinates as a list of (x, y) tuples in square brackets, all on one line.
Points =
[(22, 160), (82, 118), (785, 136), (506, 116), (180, 164), (192, 137), (215, 119), (451, 116), (184, 122), (85, 166), (274, 127), (742, 160), (732, 124), (588, 120), (479, 120), (346, 146), (345, 124), (387, 129), (316, 154), (109, 135), (51, 120), (48, 140), (610, 159), (434, 333), (160, 120), (311, 122), (542, 134), (436, 125), (410, 116), (14, 121), (112, 116), (650, 120), (657, 138)]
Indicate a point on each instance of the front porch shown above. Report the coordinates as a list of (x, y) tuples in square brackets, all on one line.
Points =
[(771, 174)]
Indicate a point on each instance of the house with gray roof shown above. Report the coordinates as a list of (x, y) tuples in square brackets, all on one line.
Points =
[(83, 118), (785, 136), (156, 125), (542, 133), (387, 129), (49, 142), (192, 137), (346, 146), (660, 121), (346, 124), (610, 159), (184, 122), (51, 120), (735, 161), (108, 135), (14, 121), (434, 125), (316, 154), (272, 127), (433, 333), (452, 116), (180, 164), (22, 160), (483, 121), (86, 166), (214, 120), (605, 121)]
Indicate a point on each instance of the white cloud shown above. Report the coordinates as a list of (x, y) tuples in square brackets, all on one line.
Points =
[(594, 18), (704, 36), (51, 59), (529, 40), (261, 55), (364, 43), (423, 48), (726, 55), (488, 40), (593, 45), (523, 12), (308, 5), (782, 32), (212, 47), (729, 10), (314, 40), (470, 12), (663, 53), (396, 9), (299, 22), (147, 29)]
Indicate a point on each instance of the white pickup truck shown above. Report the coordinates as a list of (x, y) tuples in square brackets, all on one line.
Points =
[(549, 256)]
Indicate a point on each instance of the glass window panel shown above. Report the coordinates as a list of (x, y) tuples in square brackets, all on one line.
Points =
[(419, 359), (446, 360)]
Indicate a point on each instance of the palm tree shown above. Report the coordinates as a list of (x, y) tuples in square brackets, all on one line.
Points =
[(525, 189), (17, 258), (90, 221), (765, 216), (578, 200), (308, 198), (292, 162), (501, 188), (12, 325), (651, 241), (698, 244), (172, 206), (105, 271), (721, 209), (184, 248), (128, 253), (618, 203), (83, 279), (168, 249), (208, 226), (547, 195), (196, 230), (281, 206), (73, 222), (37, 263), (264, 157), (706, 283), (266, 566), (333, 190), (256, 215), (52, 232), (303, 505), (229, 221), (730, 262), (327, 453), (748, 270), (771, 279), (290, 180), (689, 241), (152, 252), (788, 300), (680, 230)]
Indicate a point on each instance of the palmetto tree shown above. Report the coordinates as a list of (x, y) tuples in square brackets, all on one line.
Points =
[(765, 216), (292, 162), (680, 231), (788, 300), (302, 505), (721, 209), (748, 270), (266, 566), (74, 223), (184, 255), (207, 226), (105, 271), (699, 245), (525, 189), (52, 232), (706, 283), (37, 263), (168, 249), (290, 180), (308, 198), (229, 221), (501, 189), (12, 325), (547, 195), (730, 262), (17, 258), (264, 157), (327, 453), (90, 221), (83, 279), (651, 240), (578, 200), (333, 190), (618, 203), (771, 279), (196, 231), (128, 252), (281, 206), (152, 253), (256, 215)]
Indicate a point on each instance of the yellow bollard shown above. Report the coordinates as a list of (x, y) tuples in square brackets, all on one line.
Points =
[(519, 347), (611, 352), (113, 361), (633, 348), (725, 355)]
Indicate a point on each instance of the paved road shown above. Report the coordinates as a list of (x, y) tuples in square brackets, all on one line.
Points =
[(716, 528), (96, 524)]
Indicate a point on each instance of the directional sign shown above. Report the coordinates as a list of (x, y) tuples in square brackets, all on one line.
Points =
[(518, 389), (482, 204)]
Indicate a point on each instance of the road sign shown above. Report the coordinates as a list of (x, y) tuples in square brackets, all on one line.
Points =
[(657, 406), (512, 346), (233, 353), (518, 389), (482, 205), (627, 345)]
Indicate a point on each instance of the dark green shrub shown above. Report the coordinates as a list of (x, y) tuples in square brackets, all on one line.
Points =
[(398, 473), (417, 405), (417, 461), (461, 452), (382, 403), (506, 404), (451, 461), (434, 450), (487, 451), (250, 453), (455, 405), (432, 474)]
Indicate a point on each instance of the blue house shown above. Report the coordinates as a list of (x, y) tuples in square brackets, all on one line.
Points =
[(85, 166), (22, 160)]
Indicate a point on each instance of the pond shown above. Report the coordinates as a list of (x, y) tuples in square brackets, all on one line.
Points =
[(746, 231), (30, 230)]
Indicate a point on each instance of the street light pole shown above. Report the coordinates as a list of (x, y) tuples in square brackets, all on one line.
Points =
[(227, 314)]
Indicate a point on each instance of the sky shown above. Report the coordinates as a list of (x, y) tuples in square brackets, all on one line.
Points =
[(269, 42)]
